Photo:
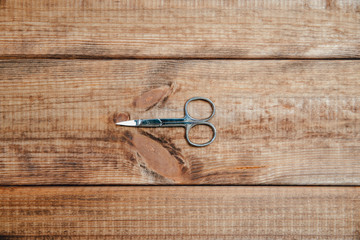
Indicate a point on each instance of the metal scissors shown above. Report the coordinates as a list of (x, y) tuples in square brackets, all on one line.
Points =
[(188, 122)]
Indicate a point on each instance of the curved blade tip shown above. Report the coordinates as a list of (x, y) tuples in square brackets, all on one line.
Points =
[(130, 123)]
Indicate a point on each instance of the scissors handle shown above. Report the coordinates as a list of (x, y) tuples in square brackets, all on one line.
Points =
[(195, 121), (188, 127), (187, 115)]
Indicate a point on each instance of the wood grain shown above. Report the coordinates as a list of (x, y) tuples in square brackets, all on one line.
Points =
[(278, 122), (180, 212), (180, 29)]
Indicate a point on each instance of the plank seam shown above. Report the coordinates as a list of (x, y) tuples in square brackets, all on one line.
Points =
[(90, 57)]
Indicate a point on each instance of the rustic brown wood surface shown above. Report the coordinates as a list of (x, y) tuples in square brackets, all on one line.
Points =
[(195, 29), (278, 122), (180, 212)]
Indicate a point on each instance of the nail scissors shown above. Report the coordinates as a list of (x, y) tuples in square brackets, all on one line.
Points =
[(188, 122)]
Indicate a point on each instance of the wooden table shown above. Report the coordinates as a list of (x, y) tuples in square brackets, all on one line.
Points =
[(285, 79)]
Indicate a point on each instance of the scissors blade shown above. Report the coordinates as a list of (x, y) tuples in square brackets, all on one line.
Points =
[(130, 123), (141, 123)]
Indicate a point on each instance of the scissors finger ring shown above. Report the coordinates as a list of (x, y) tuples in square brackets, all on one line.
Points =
[(187, 121)]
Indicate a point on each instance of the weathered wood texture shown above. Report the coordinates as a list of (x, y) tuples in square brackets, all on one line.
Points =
[(180, 212), (278, 122), (196, 29)]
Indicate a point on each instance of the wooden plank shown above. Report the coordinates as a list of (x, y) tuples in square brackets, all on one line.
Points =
[(180, 212), (278, 122), (180, 29)]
